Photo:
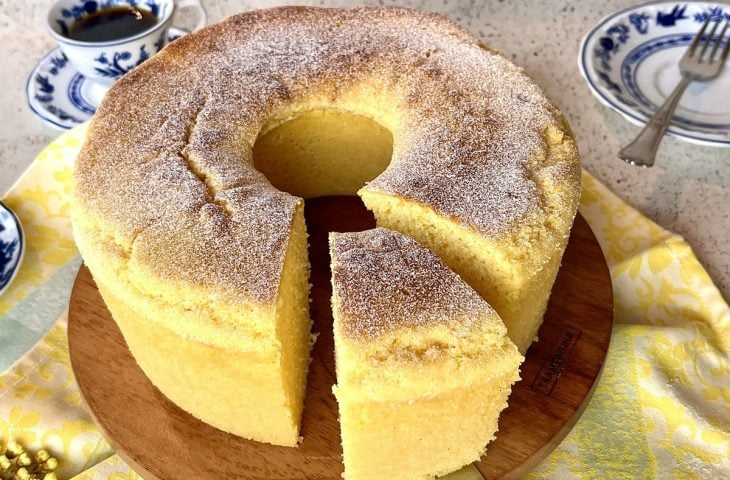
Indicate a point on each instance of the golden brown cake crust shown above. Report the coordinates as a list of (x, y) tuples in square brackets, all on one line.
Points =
[(385, 281), (169, 150)]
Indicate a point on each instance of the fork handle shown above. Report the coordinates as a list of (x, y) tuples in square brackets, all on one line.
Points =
[(642, 150)]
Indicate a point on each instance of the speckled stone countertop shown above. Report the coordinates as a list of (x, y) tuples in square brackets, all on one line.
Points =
[(688, 191)]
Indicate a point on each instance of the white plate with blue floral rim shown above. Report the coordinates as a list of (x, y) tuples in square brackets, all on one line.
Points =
[(12, 246), (630, 61), (60, 96)]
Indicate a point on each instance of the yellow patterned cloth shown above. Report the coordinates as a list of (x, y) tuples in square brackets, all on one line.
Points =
[(661, 408)]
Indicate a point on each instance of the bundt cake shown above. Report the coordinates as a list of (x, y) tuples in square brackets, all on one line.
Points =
[(203, 261)]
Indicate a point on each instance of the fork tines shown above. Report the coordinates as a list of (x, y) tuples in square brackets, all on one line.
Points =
[(711, 38)]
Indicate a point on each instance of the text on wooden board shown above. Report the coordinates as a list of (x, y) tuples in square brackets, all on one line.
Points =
[(554, 365)]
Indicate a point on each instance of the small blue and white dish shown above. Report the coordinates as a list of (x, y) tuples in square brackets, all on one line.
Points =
[(12, 246), (62, 97), (630, 61)]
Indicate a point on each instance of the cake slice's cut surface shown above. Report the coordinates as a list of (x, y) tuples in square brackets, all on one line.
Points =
[(424, 364)]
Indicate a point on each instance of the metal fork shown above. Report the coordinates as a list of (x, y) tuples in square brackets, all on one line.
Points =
[(695, 67)]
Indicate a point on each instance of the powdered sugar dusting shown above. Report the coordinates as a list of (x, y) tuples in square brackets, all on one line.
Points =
[(385, 281), (174, 136), (473, 151)]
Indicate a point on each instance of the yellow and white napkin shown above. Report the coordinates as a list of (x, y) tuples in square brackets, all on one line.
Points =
[(660, 410)]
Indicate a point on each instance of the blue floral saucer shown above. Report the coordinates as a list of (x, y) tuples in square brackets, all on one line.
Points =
[(60, 96), (12, 246), (630, 62)]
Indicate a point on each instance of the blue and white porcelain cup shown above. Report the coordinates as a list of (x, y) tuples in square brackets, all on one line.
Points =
[(105, 62)]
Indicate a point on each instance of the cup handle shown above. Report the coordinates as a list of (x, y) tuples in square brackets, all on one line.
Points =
[(197, 5)]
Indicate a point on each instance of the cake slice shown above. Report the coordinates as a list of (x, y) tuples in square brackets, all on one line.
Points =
[(424, 364)]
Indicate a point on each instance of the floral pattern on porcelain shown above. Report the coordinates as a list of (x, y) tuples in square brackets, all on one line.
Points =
[(630, 62), (12, 246), (62, 97)]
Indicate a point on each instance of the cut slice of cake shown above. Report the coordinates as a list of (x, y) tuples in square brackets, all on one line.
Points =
[(424, 364)]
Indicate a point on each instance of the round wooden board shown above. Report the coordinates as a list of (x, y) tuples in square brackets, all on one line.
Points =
[(162, 442)]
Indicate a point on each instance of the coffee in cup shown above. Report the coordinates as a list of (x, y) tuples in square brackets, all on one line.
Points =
[(105, 40)]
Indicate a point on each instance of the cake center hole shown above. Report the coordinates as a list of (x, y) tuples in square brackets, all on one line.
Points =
[(325, 156), (323, 152)]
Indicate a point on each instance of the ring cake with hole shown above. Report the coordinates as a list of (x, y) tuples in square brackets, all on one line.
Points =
[(202, 260)]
